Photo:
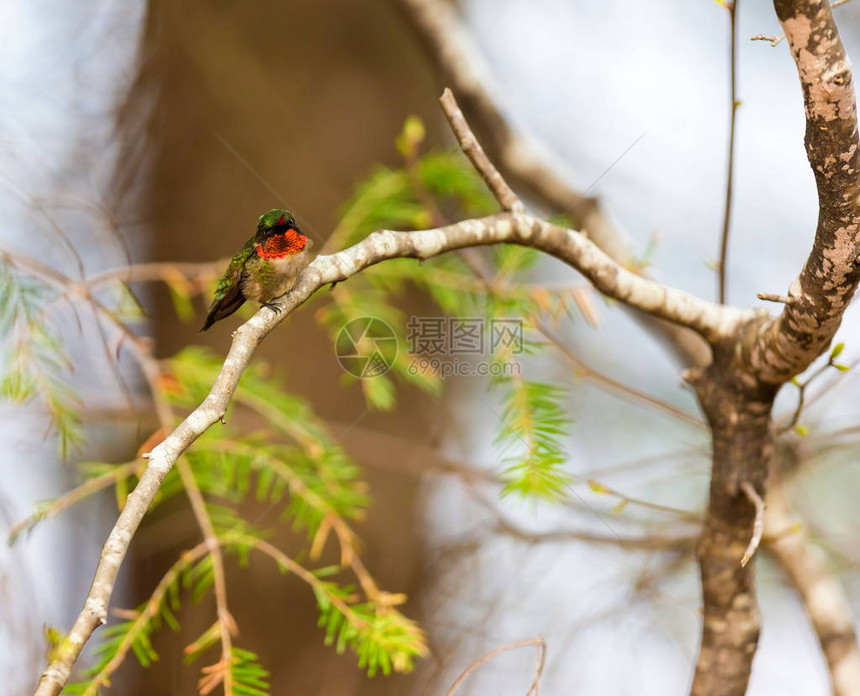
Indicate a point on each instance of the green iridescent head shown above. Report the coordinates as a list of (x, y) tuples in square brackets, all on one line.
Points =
[(276, 221)]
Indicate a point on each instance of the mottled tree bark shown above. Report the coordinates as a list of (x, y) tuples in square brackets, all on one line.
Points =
[(819, 296), (738, 408)]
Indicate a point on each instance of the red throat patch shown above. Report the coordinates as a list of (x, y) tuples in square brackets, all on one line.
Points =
[(280, 245)]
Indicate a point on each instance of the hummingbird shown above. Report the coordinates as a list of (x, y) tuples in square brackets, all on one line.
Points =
[(266, 267)]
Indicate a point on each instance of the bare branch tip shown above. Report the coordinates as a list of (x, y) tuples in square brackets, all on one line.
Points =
[(691, 376), (470, 146), (540, 646), (774, 40), (772, 297), (758, 524)]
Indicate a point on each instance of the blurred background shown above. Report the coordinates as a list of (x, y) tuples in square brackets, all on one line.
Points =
[(159, 131)]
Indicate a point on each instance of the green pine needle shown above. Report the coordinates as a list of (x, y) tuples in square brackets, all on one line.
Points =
[(534, 425), (35, 361)]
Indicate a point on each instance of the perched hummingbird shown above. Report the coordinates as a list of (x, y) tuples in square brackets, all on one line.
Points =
[(265, 268)]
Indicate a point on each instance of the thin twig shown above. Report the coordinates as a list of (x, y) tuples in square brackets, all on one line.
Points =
[(686, 515), (509, 201), (828, 389), (322, 588), (147, 272), (225, 619), (612, 385), (783, 428), (758, 525), (775, 40), (541, 647), (722, 278), (73, 497), (644, 543), (795, 416), (773, 297), (637, 543), (473, 150)]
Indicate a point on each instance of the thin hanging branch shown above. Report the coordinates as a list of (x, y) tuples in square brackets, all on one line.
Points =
[(540, 645), (612, 385), (722, 268)]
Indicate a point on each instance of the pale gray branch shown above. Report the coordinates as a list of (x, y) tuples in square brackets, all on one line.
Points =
[(472, 148)]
